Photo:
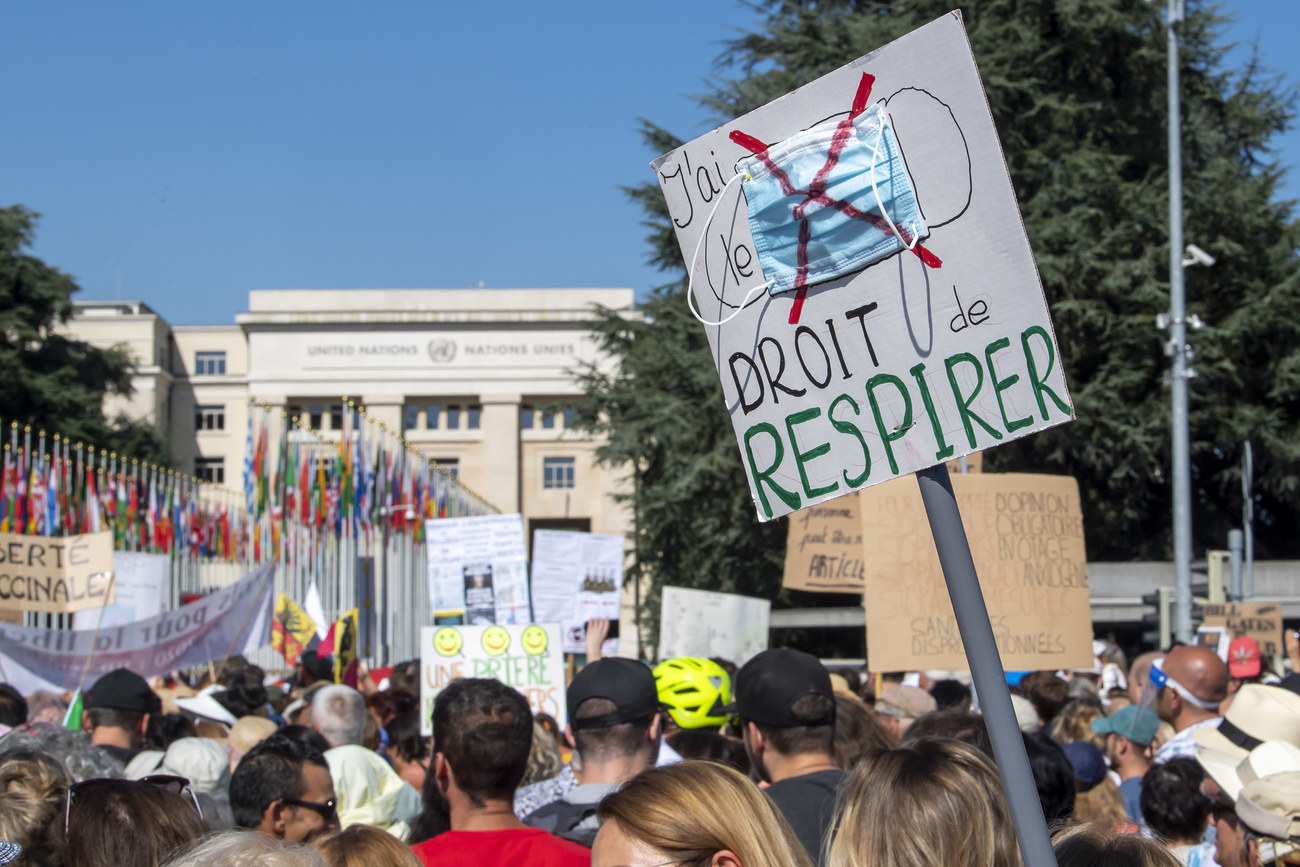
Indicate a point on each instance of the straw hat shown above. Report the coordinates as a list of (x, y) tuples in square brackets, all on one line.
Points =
[(1258, 713), (1232, 774)]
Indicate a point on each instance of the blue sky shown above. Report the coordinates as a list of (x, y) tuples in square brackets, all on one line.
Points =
[(210, 150)]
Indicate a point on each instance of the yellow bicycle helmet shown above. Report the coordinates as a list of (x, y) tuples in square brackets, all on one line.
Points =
[(694, 690)]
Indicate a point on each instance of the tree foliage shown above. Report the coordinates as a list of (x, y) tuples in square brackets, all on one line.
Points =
[(52, 381), (1078, 92)]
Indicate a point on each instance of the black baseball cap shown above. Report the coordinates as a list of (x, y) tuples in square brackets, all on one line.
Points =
[(121, 689), (626, 682), (768, 686)]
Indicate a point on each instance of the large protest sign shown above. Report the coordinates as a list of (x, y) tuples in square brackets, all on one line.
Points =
[(236, 619), (527, 657), (903, 323), (1261, 621), (706, 624), (477, 569), (139, 588), (57, 574), (1026, 536), (577, 577)]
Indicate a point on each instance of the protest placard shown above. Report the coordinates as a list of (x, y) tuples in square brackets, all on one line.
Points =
[(139, 590), (56, 574), (477, 571), (706, 624), (577, 577), (236, 619), (1026, 536), (903, 322), (1261, 621), (525, 656)]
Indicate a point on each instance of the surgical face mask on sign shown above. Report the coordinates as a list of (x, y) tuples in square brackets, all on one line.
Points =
[(824, 215)]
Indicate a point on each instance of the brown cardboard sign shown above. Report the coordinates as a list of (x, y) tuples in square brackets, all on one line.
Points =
[(1261, 621), (1026, 536), (56, 574)]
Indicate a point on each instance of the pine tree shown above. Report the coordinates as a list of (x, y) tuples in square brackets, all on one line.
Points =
[(1078, 91)]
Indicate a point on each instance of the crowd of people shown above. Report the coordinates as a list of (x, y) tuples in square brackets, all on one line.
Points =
[(1180, 758)]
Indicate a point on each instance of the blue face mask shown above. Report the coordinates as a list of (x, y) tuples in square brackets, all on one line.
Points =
[(830, 201)]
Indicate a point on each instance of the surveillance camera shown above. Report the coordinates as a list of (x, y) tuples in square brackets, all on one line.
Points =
[(1194, 255)]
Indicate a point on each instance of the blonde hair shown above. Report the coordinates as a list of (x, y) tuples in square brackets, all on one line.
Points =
[(935, 803), (543, 757), (1089, 845), (1074, 723), (363, 846), (1103, 803), (694, 809), (32, 790)]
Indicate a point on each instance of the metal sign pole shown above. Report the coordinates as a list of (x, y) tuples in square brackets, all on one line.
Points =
[(985, 666)]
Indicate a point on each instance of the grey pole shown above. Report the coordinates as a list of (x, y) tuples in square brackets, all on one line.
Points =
[(1235, 545), (1182, 474), (1248, 517), (985, 666)]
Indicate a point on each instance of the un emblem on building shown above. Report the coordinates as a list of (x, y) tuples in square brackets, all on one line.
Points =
[(442, 351)]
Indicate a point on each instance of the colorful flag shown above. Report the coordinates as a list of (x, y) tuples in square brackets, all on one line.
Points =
[(292, 629)]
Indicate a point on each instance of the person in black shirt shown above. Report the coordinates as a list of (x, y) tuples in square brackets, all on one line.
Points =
[(787, 714), (117, 711)]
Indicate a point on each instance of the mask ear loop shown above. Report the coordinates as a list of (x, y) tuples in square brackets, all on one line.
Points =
[(690, 283), (880, 137)]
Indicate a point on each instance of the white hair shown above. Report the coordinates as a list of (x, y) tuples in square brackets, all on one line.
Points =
[(245, 849), (339, 714)]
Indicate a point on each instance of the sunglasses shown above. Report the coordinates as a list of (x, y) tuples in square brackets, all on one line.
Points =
[(175, 785), (327, 810)]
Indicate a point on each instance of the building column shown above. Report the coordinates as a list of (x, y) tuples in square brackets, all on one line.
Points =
[(386, 409), (500, 485)]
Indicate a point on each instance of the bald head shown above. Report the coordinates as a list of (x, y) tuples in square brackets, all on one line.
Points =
[(1200, 670), (1137, 674)]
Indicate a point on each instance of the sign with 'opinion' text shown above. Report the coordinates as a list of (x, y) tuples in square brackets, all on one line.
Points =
[(858, 256)]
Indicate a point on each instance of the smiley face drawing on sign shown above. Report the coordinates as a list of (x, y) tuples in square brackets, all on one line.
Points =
[(534, 640), (447, 641), (495, 640)]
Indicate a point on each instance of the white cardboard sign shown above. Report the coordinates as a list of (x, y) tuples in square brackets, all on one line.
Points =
[(477, 569), (706, 624), (920, 357), (577, 577)]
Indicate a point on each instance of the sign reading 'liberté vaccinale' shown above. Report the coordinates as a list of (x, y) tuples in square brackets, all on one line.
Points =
[(903, 323)]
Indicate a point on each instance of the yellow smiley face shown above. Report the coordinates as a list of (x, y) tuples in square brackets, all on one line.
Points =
[(447, 641), (495, 640), (533, 640)]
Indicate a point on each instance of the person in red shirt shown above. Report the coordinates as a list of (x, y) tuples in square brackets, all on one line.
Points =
[(482, 732)]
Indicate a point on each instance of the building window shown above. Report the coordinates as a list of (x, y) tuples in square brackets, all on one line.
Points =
[(210, 470), (295, 413), (317, 416), (451, 465), (557, 472), (431, 415), (548, 420), (336, 417), (475, 416), (209, 418), (570, 413), (209, 363), (453, 416), (410, 417), (526, 416)]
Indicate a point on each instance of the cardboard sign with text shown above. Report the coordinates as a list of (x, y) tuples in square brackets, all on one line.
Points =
[(1026, 536), (56, 574), (525, 656), (823, 548), (910, 327), (1261, 621)]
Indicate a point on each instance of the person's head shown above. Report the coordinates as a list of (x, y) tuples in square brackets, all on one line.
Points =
[(1074, 723), (408, 750), (405, 676), (166, 729), (544, 760), (858, 730), (69, 748), (244, 696), (613, 709), (1053, 777), (1257, 713), (710, 746), (1087, 762), (390, 703), (693, 812), (1172, 802), (283, 788), (852, 679), (969, 728), (245, 734), (936, 802), (1046, 692), (121, 822), (363, 846), (1137, 674), (117, 709), (339, 714), (233, 667), (1196, 682), (786, 706), (1128, 734), (903, 705), (434, 817), (13, 707), (241, 849), (951, 695), (1087, 845), (32, 790), (482, 732), (313, 668), (306, 736)]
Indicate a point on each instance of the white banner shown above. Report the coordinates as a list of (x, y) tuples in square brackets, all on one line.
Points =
[(140, 589)]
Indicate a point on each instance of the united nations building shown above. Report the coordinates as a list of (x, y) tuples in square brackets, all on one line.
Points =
[(480, 380)]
